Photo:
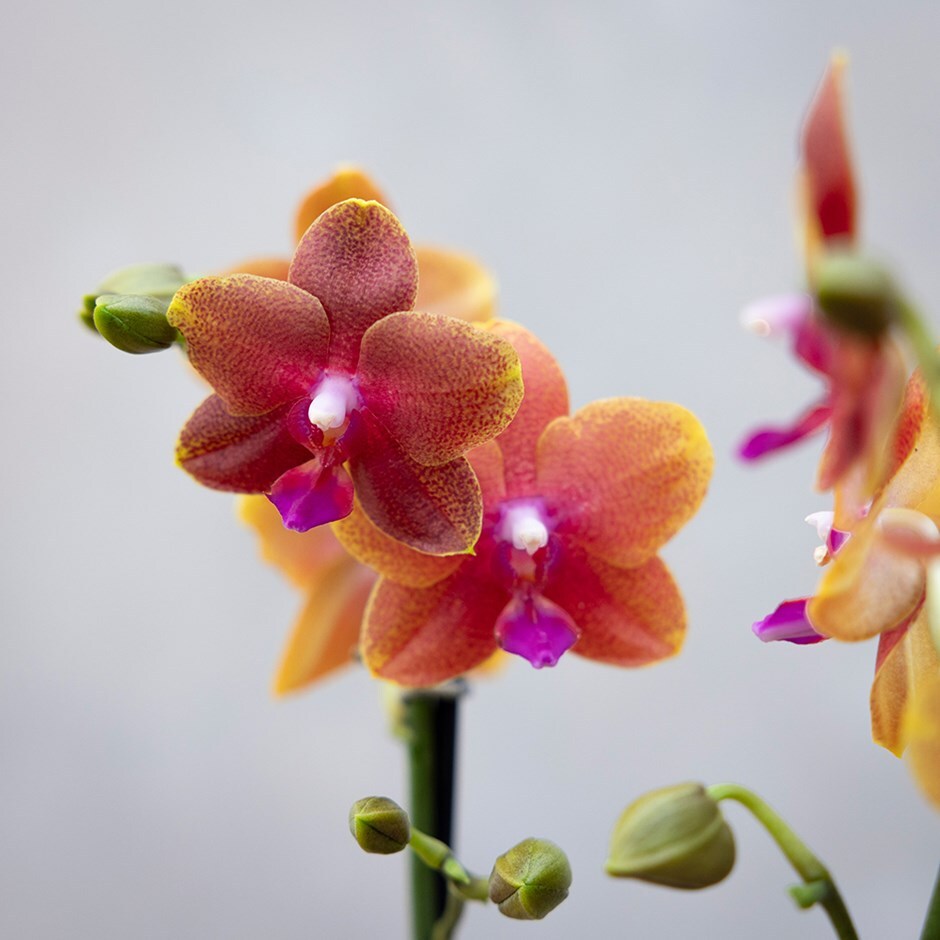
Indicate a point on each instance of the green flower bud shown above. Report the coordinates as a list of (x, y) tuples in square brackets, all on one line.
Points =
[(150, 280), (530, 880), (134, 324), (855, 293), (675, 837), (379, 825)]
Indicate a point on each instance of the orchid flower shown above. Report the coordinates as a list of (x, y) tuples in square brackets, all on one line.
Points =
[(864, 372), (449, 282), (328, 384), (876, 583), (575, 509)]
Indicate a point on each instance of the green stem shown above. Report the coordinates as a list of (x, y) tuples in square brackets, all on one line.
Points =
[(931, 929), (446, 924), (806, 864), (925, 348), (431, 720)]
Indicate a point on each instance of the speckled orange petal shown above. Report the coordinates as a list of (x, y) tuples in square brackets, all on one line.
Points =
[(627, 617), (545, 398), (357, 259), (348, 182), (389, 557), (915, 483), (258, 342), (867, 589), (906, 659), (454, 285), (922, 732), (438, 386), (299, 555), (437, 510), (326, 634), (827, 163), (239, 454), (626, 475), (422, 636), (276, 268)]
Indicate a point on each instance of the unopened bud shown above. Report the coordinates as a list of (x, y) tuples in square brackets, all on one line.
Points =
[(855, 293), (675, 837), (379, 825), (530, 880), (149, 280), (134, 324)]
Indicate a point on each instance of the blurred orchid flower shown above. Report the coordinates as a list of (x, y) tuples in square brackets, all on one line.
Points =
[(861, 365), (575, 509), (332, 370)]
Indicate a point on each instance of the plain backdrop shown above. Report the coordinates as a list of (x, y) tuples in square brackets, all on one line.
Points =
[(625, 170)]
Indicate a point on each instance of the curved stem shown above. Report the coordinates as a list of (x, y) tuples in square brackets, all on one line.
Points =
[(931, 929), (823, 888), (431, 721)]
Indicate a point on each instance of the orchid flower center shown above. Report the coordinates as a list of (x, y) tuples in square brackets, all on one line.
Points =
[(332, 401), (524, 525)]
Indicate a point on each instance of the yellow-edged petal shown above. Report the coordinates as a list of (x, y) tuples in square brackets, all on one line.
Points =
[(922, 731), (626, 474)]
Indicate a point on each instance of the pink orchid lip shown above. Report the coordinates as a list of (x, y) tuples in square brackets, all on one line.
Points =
[(790, 623), (536, 629)]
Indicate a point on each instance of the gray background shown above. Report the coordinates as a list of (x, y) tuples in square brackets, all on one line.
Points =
[(625, 170)]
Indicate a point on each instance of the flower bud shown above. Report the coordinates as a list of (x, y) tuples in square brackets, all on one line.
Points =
[(379, 825), (149, 280), (134, 324), (855, 293), (675, 837), (530, 880)]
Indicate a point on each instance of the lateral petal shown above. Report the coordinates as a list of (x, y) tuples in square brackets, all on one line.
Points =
[(437, 510), (357, 259), (438, 386), (422, 636), (627, 617), (454, 285), (626, 474), (906, 660), (326, 633), (868, 588), (257, 341), (239, 454)]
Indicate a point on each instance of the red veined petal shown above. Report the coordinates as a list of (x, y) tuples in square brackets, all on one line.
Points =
[(357, 259), (242, 454), (258, 342), (438, 386), (627, 616), (626, 475), (422, 636), (437, 510)]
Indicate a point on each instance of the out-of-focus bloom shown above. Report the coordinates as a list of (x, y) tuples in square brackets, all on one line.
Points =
[(862, 367), (922, 733), (332, 370), (876, 581), (449, 282), (575, 511)]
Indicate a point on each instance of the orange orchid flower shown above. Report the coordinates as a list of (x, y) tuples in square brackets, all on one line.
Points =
[(325, 635), (864, 371), (575, 510)]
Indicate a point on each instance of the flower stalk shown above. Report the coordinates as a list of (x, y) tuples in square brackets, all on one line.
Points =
[(818, 885), (931, 930), (431, 723)]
